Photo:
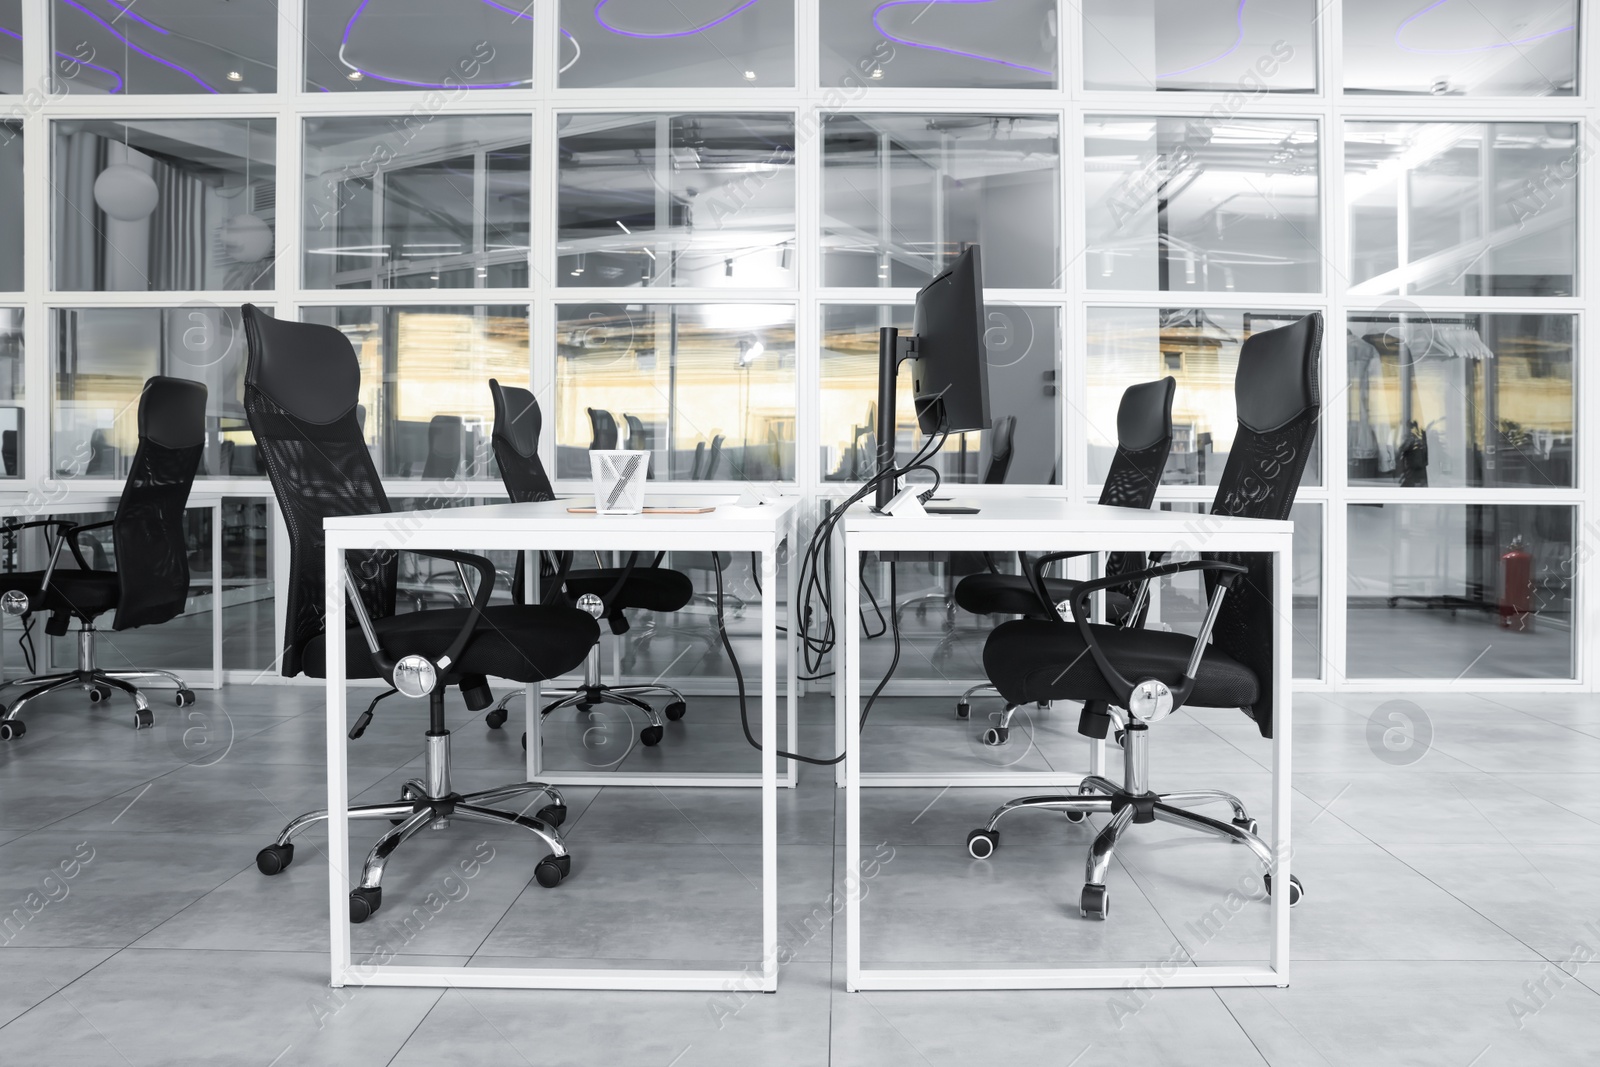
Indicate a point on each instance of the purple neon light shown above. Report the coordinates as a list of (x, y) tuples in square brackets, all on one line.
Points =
[(746, 5), (1463, 51), (881, 8), (127, 9), (344, 42), (14, 35), (148, 55), (1238, 23)]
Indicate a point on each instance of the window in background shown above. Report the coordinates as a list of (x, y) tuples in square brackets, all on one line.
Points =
[(1462, 208), (1266, 46), (676, 200), (707, 389), (1024, 352), (422, 202), (424, 403), (165, 48), (249, 626), (450, 46), (1008, 44), (11, 46), (12, 226), (950, 181), (1200, 348), (1466, 49), (1460, 591), (1202, 205), (12, 366), (615, 44), (1460, 400), (104, 356), (164, 204)]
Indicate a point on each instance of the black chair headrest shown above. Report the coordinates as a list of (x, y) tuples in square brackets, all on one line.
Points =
[(308, 370), (517, 421), (172, 412), (1144, 418), (1277, 378)]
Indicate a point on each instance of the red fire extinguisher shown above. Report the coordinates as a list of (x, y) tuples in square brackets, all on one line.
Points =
[(1516, 589)]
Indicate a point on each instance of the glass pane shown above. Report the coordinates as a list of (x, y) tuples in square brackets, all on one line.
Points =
[(1009, 44), (701, 43), (164, 204), (950, 181), (249, 629), (165, 46), (1460, 400), (1460, 591), (707, 389), (448, 45), (425, 371), (1178, 204), (1200, 348), (1522, 49), (12, 421), (1269, 46), (104, 356), (1024, 353), (1462, 208), (11, 46), (702, 200), (12, 225), (392, 207)]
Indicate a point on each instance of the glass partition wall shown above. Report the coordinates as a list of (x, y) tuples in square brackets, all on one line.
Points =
[(1151, 185)]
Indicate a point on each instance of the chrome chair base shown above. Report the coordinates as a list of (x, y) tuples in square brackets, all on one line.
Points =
[(100, 684), (1000, 733), (1128, 804)]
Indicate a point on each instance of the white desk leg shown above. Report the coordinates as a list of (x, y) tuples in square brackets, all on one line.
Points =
[(792, 643), (1282, 749), (769, 767), (338, 774), (848, 669), (842, 584)]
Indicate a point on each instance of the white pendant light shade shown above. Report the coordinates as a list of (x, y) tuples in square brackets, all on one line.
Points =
[(247, 238), (126, 193)]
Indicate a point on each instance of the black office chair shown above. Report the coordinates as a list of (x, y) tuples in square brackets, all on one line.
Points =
[(604, 592), (445, 436), (1138, 677), (638, 436), (604, 429), (1144, 438), (1001, 448), (150, 584), (300, 393)]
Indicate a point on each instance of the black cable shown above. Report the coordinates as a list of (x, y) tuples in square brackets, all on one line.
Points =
[(26, 642)]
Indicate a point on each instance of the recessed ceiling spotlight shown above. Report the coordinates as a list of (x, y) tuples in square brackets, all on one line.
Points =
[(235, 76), (749, 75), (355, 75), (877, 73)]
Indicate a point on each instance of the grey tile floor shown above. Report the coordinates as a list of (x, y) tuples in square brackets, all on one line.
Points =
[(1453, 895)]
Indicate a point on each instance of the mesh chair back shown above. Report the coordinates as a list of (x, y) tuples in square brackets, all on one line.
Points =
[(301, 383), (1276, 391), (152, 553), (445, 436), (605, 429), (1144, 440), (1005, 430), (515, 438)]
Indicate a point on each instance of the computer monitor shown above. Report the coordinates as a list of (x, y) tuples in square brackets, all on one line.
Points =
[(950, 374)]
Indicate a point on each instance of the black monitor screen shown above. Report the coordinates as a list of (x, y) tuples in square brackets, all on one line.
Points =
[(949, 372)]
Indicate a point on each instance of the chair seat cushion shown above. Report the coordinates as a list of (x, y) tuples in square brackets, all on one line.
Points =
[(1010, 594), (521, 644), (85, 594), (1029, 660), (649, 588)]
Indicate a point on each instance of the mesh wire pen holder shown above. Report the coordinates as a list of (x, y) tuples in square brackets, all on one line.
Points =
[(619, 480)]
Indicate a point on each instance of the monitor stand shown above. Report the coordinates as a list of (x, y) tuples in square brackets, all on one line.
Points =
[(894, 350)]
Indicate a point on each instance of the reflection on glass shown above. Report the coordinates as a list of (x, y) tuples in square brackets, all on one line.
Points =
[(702, 200), (1200, 348), (951, 181), (687, 43), (11, 222), (435, 202), (1023, 347), (1529, 48), (1460, 591), (12, 365), (164, 204), (1267, 46), (424, 403), (164, 46), (10, 46), (1202, 205), (1462, 208), (249, 628), (1007, 44), (708, 389), (448, 46), (103, 358), (1460, 400)]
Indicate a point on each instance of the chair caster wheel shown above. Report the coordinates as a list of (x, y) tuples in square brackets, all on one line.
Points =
[(99, 694), (1095, 903), (274, 858), (12, 729), (996, 736), (183, 698), (364, 902), (675, 710), (1296, 890), (981, 843), (142, 719), (552, 869), (1119, 737), (1249, 826), (495, 719), (651, 736), (1076, 816), (963, 710), (552, 814), (524, 742)]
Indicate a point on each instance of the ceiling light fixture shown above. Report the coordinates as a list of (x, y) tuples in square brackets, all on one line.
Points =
[(235, 76), (877, 73), (877, 15), (749, 75), (676, 33), (355, 75)]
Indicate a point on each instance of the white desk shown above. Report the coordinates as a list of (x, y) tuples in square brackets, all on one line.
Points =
[(1054, 525), (522, 527)]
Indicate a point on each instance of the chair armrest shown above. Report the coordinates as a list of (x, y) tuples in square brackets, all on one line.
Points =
[(1033, 570), (77, 549), (387, 664)]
